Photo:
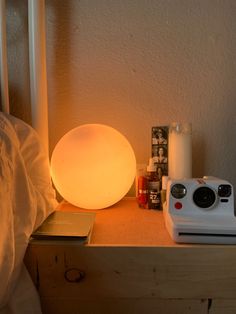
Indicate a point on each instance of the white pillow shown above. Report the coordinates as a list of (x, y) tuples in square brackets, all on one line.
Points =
[(37, 167)]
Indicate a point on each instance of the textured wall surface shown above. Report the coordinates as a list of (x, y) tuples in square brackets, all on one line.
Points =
[(135, 64)]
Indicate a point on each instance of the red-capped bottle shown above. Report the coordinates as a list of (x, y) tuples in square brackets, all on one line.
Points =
[(153, 185)]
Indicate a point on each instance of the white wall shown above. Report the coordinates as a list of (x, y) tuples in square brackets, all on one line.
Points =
[(134, 64)]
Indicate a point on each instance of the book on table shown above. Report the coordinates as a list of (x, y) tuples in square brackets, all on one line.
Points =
[(64, 225)]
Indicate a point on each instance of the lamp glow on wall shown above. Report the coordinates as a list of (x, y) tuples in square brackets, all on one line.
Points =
[(93, 166)]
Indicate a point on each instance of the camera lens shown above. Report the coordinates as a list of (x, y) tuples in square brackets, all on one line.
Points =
[(204, 197), (178, 190), (224, 190)]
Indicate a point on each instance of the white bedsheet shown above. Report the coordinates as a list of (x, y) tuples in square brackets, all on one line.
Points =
[(26, 199)]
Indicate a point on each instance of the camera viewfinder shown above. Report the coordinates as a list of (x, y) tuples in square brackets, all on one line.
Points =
[(178, 190)]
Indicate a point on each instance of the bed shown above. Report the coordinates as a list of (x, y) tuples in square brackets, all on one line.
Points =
[(26, 194), (27, 198)]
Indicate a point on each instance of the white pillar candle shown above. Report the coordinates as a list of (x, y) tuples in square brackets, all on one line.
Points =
[(180, 151)]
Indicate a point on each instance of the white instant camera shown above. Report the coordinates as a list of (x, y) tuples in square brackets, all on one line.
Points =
[(200, 211)]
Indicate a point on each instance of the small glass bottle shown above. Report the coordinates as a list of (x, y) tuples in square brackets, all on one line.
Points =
[(154, 200), (180, 151), (142, 195)]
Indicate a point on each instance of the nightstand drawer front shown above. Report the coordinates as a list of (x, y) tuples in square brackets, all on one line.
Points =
[(132, 272)]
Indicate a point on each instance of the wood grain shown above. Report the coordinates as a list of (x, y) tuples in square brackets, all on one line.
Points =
[(131, 261)]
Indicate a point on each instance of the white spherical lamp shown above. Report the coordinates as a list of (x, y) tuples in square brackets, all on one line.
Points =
[(93, 166)]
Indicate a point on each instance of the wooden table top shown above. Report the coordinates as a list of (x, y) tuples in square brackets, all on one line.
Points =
[(126, 224)]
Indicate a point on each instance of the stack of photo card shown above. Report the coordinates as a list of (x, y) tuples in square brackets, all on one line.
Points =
[(160, 149)]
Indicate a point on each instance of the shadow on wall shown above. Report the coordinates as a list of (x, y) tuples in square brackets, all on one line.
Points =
[(58, 12), (18, 59), (199, 156)]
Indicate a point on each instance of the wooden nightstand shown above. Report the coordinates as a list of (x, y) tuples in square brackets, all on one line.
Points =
[(132, 266)]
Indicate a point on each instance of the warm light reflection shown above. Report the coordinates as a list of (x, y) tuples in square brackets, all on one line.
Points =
[(93, 166)]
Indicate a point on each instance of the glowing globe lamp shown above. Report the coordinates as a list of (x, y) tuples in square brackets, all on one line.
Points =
[(93, 166)]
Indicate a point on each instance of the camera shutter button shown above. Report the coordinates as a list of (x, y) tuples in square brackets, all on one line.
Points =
[(178, 205)]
